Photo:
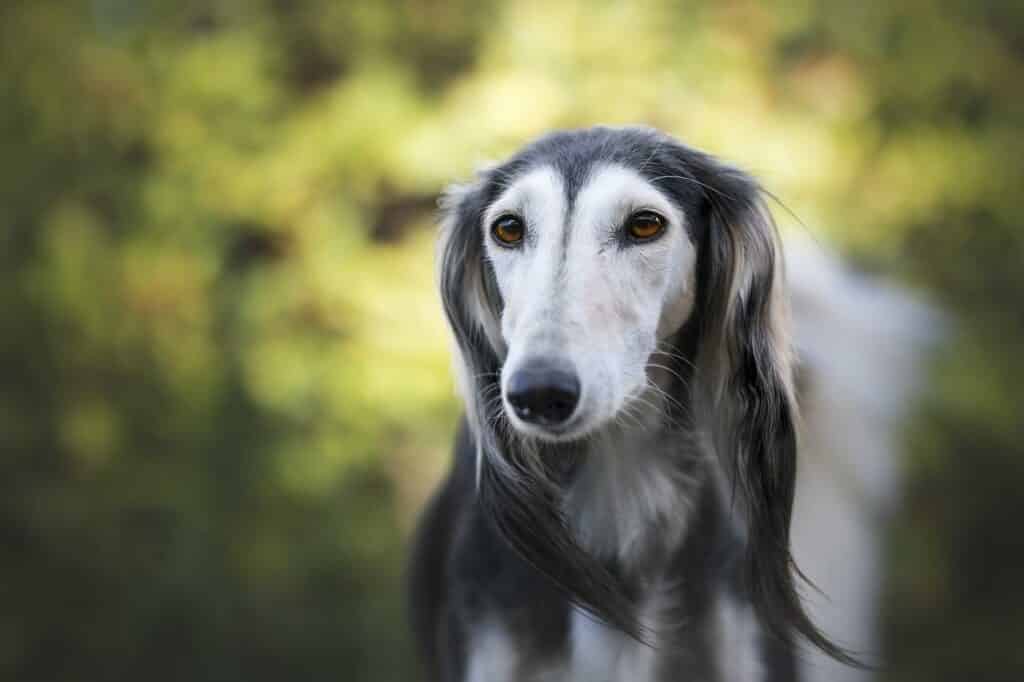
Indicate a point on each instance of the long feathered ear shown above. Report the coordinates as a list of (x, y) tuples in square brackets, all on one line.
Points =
[(470, 298), (744, 371)]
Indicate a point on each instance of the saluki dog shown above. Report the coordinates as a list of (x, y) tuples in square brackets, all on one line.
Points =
[(620, 500)]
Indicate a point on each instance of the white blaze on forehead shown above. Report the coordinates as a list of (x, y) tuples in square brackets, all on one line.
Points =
[(611, 194), (538, 197), (528, 274)]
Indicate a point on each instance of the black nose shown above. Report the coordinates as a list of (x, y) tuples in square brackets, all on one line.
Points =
[(541, 393)]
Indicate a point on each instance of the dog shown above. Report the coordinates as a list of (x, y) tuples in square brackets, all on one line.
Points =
[(620, 500)]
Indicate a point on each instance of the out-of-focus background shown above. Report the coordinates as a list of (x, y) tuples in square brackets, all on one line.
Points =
[(224, 385)]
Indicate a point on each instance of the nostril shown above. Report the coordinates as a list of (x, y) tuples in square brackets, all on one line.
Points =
[(542, 394)]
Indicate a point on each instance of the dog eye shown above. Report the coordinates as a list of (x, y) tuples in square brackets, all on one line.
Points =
[(644, 226), (508, 230)]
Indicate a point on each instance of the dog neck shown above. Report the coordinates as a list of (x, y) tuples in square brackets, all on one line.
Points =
[(636, 484)]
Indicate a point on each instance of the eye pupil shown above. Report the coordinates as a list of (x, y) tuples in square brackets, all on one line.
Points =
[(645, 225), (508, 230)]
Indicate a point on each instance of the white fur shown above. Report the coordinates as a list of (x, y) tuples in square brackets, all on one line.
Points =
[(860, 345), (572, 292), (738, 634), (603, 654), (630, 495), (596, 653), (493, 656)]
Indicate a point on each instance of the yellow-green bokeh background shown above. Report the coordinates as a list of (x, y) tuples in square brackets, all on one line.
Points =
[(224, 383)]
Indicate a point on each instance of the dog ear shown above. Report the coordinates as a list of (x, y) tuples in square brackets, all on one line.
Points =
[(745, 377), (470, 298)]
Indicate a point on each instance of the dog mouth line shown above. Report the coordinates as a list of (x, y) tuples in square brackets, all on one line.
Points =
[(567, 431)]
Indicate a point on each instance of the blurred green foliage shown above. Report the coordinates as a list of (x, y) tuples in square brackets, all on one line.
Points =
[(224, 379)]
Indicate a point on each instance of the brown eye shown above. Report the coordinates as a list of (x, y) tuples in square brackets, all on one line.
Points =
[(645, 225), (508, 230)]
